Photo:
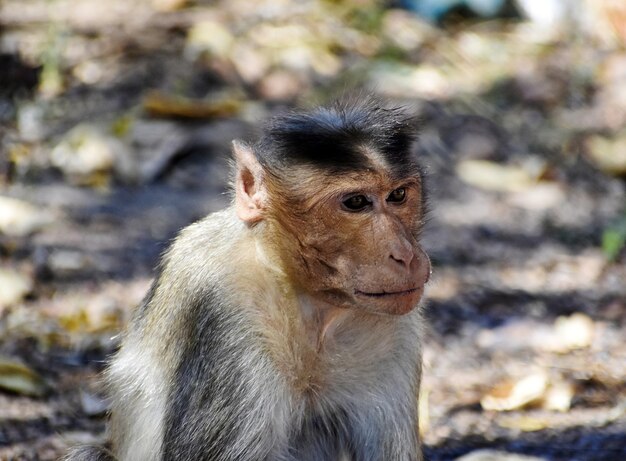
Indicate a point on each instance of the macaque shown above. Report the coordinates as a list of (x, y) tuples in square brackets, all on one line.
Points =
[(286, 327)]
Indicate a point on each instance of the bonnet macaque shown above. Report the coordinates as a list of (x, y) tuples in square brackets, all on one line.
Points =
[(285, 328)]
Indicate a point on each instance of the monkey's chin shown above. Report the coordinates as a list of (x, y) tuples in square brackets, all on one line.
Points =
[(394, 303)]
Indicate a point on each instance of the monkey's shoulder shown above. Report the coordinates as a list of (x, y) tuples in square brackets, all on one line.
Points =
[(204, 248), (211, 236), (194, 265)]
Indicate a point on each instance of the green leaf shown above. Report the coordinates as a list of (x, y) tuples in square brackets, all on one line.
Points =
[(613, 240)]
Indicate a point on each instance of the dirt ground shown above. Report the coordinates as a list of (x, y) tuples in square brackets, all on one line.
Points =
[(116, 123)]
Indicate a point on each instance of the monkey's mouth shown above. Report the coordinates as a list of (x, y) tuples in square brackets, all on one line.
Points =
[(385, 294)]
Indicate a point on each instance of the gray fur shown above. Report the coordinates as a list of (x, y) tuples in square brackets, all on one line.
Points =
[(194, 380), (89, 453)]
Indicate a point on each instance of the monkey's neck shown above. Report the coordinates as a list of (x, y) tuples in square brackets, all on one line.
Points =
[(320, 319)]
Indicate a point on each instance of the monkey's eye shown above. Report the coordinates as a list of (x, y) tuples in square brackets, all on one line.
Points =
[(397, 196), (356, 203)]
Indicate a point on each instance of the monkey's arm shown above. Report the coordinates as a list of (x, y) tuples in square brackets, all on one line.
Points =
[(192, 379), (223, 403), (89, 453)]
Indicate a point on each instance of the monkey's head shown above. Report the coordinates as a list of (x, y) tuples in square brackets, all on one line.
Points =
[(339, 195)]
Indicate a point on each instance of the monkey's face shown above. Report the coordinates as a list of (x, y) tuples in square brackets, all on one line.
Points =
[(355, 241)]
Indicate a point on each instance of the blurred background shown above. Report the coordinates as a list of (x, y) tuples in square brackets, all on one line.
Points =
[(115, 124)]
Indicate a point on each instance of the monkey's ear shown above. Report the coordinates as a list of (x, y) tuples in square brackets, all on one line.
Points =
[(250, 194)]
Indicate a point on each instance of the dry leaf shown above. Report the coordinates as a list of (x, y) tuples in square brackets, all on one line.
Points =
[(495, 455), (424, 81), (75, 321), (493, 176), (512, 395), (406, 30), (525, 423), (567, 333), (559, 397), (13, 287), (166, 6), (516, 334), (87, 156), (281, 85), (210, 36), (19, 218), (541, 196), (17, 377), (250, 62), (609, 155), (573, 332), (160, 104)]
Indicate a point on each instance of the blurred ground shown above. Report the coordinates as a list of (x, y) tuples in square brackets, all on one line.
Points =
[(115, 123)]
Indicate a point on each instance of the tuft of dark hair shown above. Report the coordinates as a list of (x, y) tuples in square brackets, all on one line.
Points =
[(336, 137)]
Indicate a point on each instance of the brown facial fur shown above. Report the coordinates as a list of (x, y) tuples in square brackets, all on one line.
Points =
[(369, 259)]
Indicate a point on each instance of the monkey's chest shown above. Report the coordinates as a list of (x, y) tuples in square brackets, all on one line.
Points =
[(340, 369)]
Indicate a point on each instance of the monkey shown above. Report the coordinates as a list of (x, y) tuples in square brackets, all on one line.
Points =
[(287, 326)]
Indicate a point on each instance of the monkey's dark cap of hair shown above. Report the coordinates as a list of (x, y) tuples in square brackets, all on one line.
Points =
[(335, 137)]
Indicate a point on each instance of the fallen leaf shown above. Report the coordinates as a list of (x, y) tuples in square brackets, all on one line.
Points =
[(393, 79), (13, 287), (75, 321), (251, 64), (608, 154), (493, 176), (406, 30), (516, 334), (616, 413), (495, 455), (512, 395), (166, 6), (210, 36), (281, 85), (160, 104), (19, 218), (67, 262), (88, 156), (573, 332), (31, 123), (17, 377), (559, 397), (566, 334), (525, 423), (542, 196)]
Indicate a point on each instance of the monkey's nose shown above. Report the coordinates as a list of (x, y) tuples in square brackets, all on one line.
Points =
[(402, 253)]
